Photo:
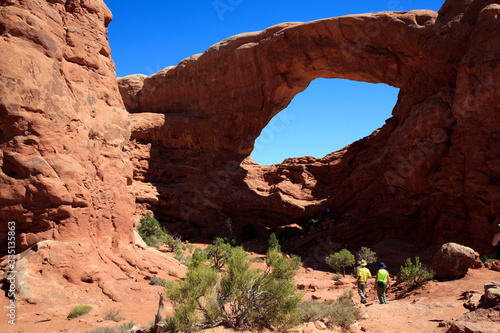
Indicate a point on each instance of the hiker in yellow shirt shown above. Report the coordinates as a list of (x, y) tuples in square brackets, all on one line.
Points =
[(363, 275), (382, 282)]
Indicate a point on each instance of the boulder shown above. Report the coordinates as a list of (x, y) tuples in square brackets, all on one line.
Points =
[(478, 264), (138, 241), (472, 299), (495, 265), (453, 261), (492, 295)]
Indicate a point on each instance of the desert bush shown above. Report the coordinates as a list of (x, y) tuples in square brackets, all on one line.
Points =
[(79, 310), (123, 328), (173, 272), (365, 253), (113, 315), (312, 310), (415, 274), (197, 258), (185, 296), (273, 294), (339, 261), (151, 231), (173, 242), (239, 295), (156, 281), (343, 312), (336, 277), (219, 252), (273, 243)]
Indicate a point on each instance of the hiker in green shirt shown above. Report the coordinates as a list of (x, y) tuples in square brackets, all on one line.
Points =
[(363, 275), (382, 282)]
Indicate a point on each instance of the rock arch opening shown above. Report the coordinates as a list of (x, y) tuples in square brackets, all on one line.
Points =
[(327, 116)]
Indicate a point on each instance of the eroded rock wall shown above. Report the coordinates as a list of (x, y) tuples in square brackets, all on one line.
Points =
[(63, 175), (429, 175)]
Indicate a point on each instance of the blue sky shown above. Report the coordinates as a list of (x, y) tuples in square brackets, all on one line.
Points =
[(147, 36)]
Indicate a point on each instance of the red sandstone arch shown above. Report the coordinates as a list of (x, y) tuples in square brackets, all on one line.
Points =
[(242, 82), (206, 113)]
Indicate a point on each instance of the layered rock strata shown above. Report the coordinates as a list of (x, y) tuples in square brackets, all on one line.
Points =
[(64, 178)]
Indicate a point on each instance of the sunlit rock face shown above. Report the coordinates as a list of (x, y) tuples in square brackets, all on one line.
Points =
[(431, 174), (63, 126)]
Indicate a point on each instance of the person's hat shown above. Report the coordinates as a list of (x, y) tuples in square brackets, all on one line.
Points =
[(382, 265), (362, 262)]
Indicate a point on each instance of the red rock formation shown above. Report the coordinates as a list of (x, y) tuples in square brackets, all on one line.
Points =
[(64, 178), (430, 174), (63, 173)]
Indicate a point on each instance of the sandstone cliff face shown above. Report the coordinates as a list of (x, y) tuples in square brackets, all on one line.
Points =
[(430, 174), (64, 178), (63, 175)]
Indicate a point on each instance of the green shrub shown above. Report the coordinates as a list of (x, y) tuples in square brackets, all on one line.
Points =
[(344, 313), (79, 310), (219, 252), (240, 295), (272, 294), (415, 274), (185, 296), (151, 231), (123, 328), (311, 311), (273, 243), (367, 254), (339, 261), (173, 242), (341, 312), (484, 259), (197, 258), (248, 232), (155, 281), (180, 257), (113, 315)]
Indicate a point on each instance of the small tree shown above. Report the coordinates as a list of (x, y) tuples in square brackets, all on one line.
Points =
[(273, 243), (238, 295), (339, 261), (415, 274), (151, 231), (364, 253), (186, 296), (173, 242), (219, 253)]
